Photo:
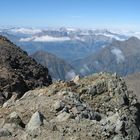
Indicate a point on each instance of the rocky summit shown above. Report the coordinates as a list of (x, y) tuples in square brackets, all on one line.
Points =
[(18, 72), (97, 107)]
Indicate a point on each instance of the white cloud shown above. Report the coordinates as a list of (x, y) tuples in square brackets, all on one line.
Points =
[(112, 36), (86, 67), (45, 38), (119, 55), (127, 33), (70, 75), (26, 39), (29, 31), (84, 70)]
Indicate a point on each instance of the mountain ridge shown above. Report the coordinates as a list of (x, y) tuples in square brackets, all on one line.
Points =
[(58, 68), (119, 56), (19, 72)]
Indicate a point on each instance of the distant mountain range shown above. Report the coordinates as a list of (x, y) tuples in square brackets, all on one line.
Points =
[(122, 57), (84, 51), (67, 43), (58, 68)]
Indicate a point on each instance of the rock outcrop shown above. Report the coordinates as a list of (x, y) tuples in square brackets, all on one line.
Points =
[(18, 72), (98, 107)]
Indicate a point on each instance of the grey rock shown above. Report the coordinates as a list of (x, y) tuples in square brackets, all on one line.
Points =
[(14, 118), (74, 111), (35, 122), (4, 132), (101, 87), (80, 108), (11, 127), (134, 132), (62, 117), (92, 90), (119, 126), (58, 106), (76, 79), (118, 137)]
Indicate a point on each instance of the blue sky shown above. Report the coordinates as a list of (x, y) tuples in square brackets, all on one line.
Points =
[(71, 13)]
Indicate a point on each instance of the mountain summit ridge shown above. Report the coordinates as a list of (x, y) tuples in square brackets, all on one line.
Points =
[(97, 107)]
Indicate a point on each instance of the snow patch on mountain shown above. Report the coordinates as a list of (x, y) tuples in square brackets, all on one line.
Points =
[(119, 55)]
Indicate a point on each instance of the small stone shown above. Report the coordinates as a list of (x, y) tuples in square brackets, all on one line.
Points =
[(7, 95), (96, 116), (76, 79), (85, 114), (80, 108), (2, 100), (119, 126), (13, 115), (74, 110), (58, 106), (63, 117), (118, 137), (11, 127), (4, 132), (14, 118), (62, 93), (35, 122), (10, 102), (92, 90), (101, 87)]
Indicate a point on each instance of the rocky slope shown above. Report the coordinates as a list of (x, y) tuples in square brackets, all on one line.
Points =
[(18, 72), (120, 56), (98, 107), (58, 68)]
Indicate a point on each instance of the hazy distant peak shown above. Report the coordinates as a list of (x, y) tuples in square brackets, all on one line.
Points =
[(133, 38)]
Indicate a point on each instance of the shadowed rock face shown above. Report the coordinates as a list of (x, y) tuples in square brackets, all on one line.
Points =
[(18, 72)]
